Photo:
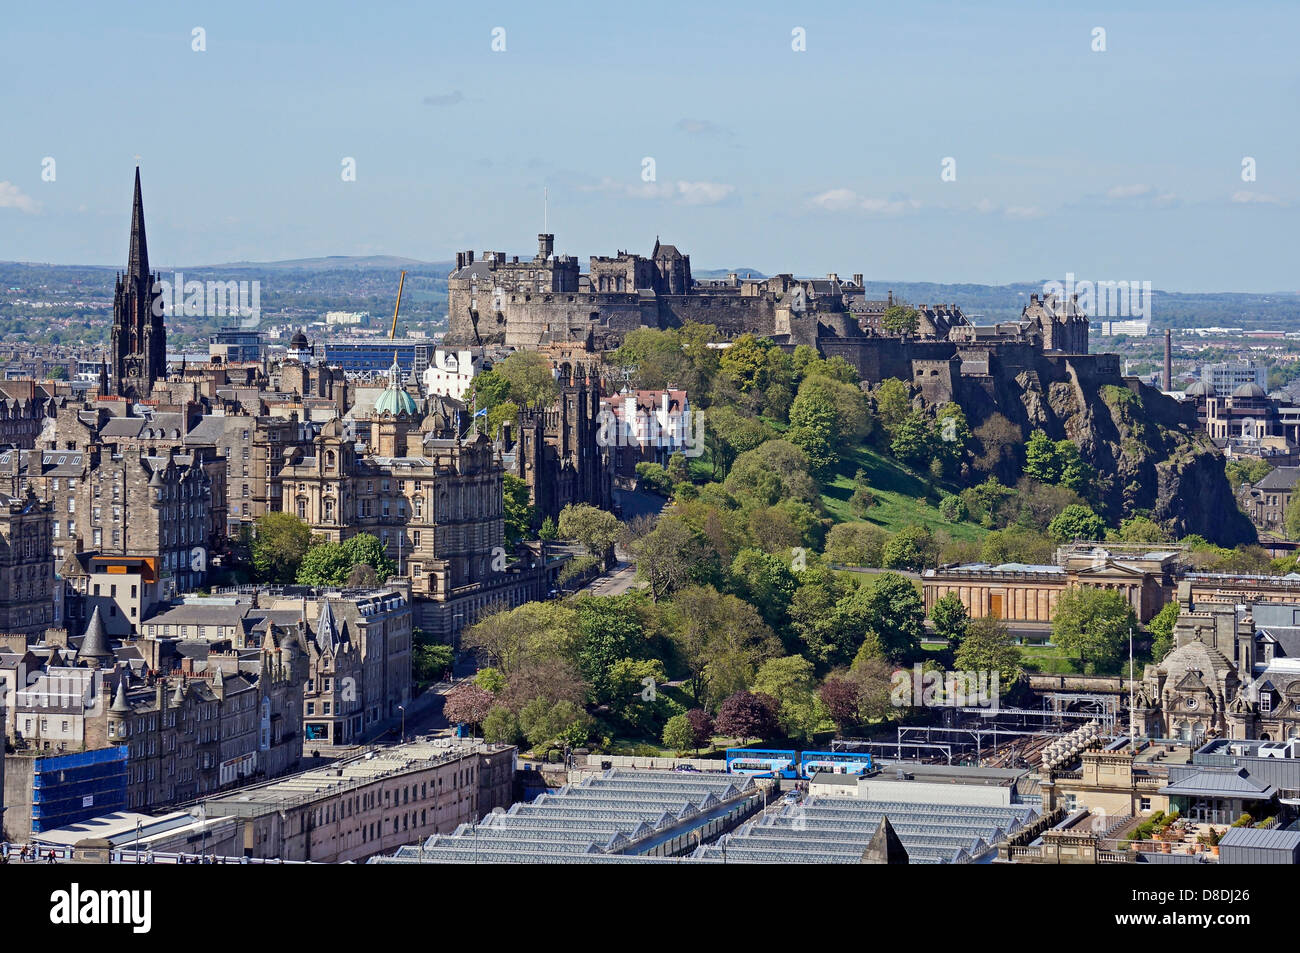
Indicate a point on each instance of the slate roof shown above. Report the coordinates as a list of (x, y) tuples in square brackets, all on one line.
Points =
[(1229, 784)]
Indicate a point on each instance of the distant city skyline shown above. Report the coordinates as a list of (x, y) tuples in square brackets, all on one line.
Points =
[(1122, 164)]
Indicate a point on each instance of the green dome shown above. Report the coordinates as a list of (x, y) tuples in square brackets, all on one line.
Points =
[(395, 400)]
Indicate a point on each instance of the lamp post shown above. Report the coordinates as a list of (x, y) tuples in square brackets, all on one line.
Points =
[(402, 709), (138, 825)]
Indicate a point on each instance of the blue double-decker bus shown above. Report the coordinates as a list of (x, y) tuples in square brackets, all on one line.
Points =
[(763, 763), (833, 762)]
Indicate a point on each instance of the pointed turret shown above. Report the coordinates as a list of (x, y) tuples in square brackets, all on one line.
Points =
[(178, 699), (94, 648), (137, 264), (120, 705)]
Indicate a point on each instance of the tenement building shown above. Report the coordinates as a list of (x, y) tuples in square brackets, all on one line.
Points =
[(26, 566)]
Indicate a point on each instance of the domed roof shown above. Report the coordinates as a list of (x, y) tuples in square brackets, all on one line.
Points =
[(1249, 390), (395, 400), (299, 341), (1200, 389)]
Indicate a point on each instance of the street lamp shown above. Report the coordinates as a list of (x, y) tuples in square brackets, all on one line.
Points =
[(138, 825), (402, 709)]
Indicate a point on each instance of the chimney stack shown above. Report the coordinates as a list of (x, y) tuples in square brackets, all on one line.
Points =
[(1169, 360)]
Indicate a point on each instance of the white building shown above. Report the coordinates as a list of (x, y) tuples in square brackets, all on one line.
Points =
[(451, 373)]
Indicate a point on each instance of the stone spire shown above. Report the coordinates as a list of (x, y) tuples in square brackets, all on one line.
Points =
[(178, 699), (137, 265), (94, 648), (885, 847)]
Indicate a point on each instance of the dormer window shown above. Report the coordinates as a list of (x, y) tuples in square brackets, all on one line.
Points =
[(1265, 700)]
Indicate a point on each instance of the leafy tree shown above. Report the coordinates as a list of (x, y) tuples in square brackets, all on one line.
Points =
[(886, 615), (701, 723), (913, 441), (814, 429), (719, 641), (912, 547), (841, 696), (953, 509), (765, 582), (1162, 627), (430, 660), (1140, 529), (489, 390), (1076, 473), (893, 402), (951, 438), (856, 544), (988, 648), (728, 433), (1042, 462), (776, 470), (549, 530), (362, 576), (467, 704), (561, 723), (1093, 624), (503, 637), (611, 629), (501, 726), (532, 382), (634, 694), (677, 733), (744, 715), (594, 528), (279, 545), (490, 680), (668, 557), (1291, 520), (861, 502), (900, 320), (366, 550), (1077, 522), (812, 618), (745, 363), (950, 618), (325, 564), (518, 512)]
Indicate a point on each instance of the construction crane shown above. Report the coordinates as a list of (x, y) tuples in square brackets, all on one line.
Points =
[(392, 335)]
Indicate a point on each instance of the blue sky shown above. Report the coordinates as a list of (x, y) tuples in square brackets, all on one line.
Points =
[(1123, 164)]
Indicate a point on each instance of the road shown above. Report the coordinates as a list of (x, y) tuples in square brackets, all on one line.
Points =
[(614, 583)]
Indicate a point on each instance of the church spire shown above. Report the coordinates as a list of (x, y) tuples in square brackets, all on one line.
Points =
[(138, 263)]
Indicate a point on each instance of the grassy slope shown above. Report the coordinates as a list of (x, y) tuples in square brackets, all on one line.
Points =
[(900, 497)]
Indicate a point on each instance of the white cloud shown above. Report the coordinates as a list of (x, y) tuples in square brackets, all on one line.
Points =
[(1022, 212), (840, 200), (12, 197), (700, 127), (984, 206), (681, 192), (1128, 191), (455, 97), (1242, 197)]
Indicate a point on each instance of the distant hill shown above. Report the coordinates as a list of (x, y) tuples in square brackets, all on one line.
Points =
[(723, 272), (328, 263)]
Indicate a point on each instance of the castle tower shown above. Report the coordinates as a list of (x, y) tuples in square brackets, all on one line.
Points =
[(139, 338)]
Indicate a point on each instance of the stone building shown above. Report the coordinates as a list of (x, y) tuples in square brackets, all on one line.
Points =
[(645, 426), (557, 450), (27, 597), (1223, 679), (25, 406), (139, 337), (1020, 593), (373, 804), (1266, 502)]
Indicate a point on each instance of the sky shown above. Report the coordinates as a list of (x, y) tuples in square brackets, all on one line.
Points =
[(1122, 163)]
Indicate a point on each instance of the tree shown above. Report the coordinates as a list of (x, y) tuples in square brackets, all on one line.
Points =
[(611, 629), (667, 557), (766, 582), (502, 636), (900, 319), (951, 438), (812, 616), (1077, 522), (950, 618), (1042, 462), (532, 382), (719, 640), (1140, 529), (633, 694), (886, 615), (501, 726), (677, 733), (913, 441), (1093, 624), (1162, 627), (728, 432), (999, 441), (789, 680), (856, 544), (701, 723), (594, 528), (467, 704), (893, 402), (953, 509), (745, 715), (1291, 521), (912, 547), (366, 550), (518, 512), (362, 576), (430, 660), (776, 470), (549, 530), (840, 696), (814, 429), (988, 648), (325, 564), (280, 542), (562, 723)]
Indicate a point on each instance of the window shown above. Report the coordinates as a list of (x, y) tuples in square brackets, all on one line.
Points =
[(1265, 701), (1145, 804)]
